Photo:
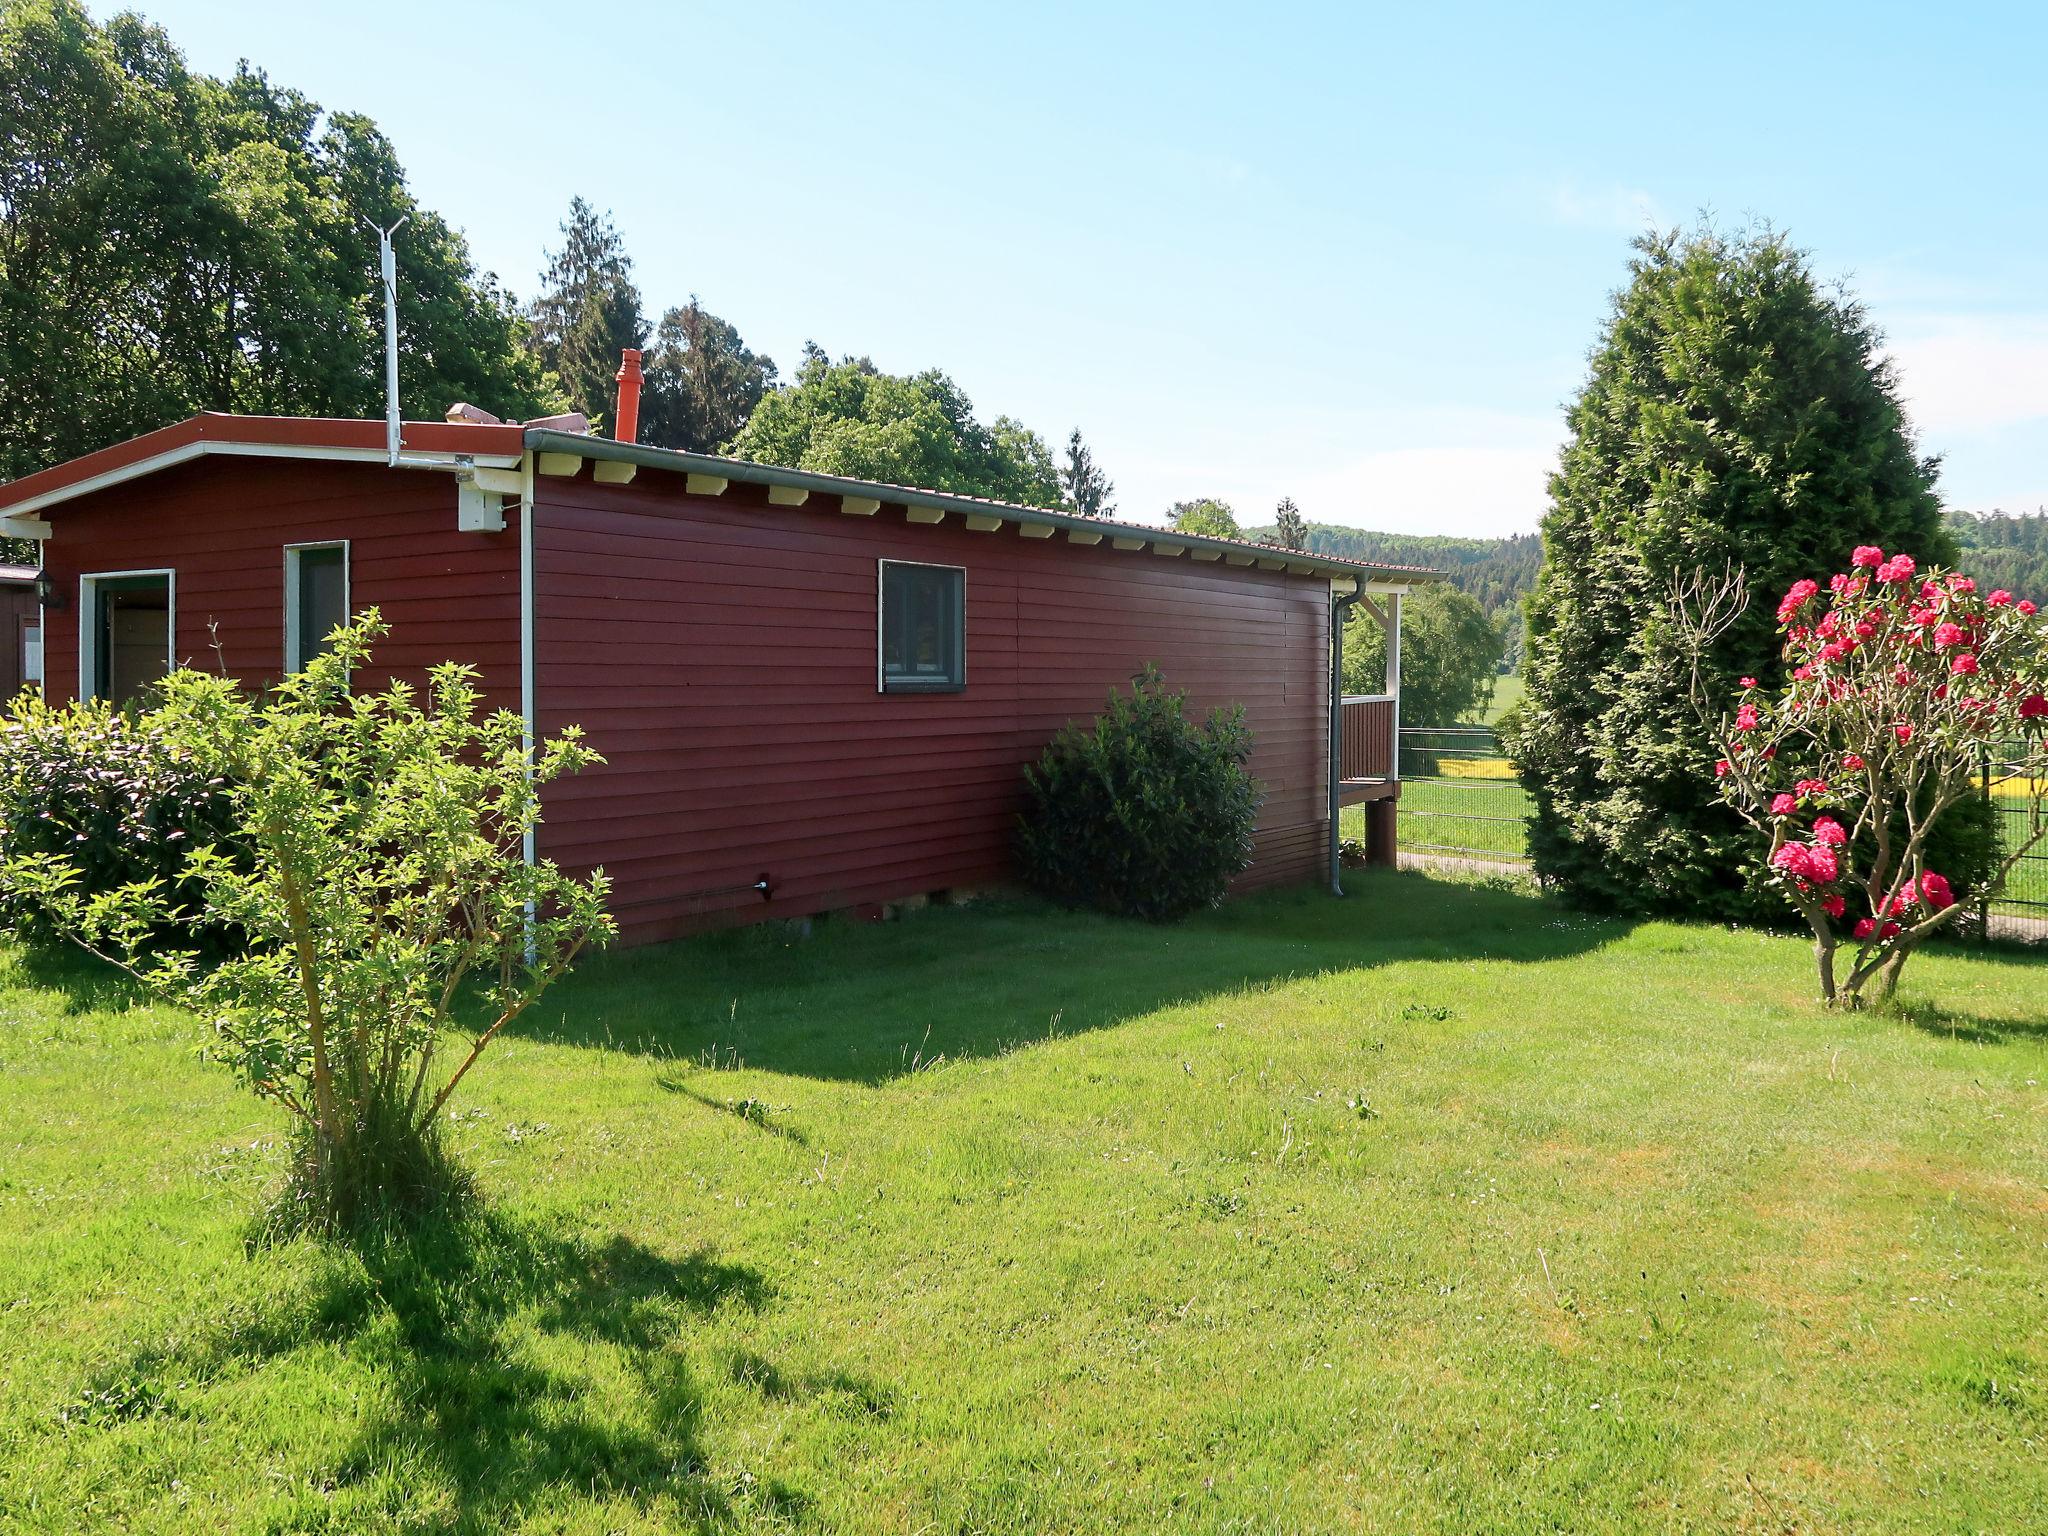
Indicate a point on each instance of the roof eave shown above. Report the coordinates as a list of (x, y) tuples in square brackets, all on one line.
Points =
[(747, 472)]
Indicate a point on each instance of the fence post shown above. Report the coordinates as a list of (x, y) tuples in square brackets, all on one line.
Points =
[(1997, 839)]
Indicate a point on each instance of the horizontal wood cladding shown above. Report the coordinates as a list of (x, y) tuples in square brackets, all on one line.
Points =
[(222, 524), (721, 655)]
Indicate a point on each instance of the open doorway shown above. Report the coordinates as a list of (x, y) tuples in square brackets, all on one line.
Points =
[(127, 624)]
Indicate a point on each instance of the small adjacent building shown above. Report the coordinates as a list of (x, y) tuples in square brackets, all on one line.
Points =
[(811, 692)]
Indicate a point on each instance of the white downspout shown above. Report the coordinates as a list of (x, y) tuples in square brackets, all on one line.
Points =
[(530, 734)]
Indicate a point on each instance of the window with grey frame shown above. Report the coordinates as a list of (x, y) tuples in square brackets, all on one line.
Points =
[(923, 628)]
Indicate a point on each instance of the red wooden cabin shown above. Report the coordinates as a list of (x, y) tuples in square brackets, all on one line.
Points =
[(812, 693)]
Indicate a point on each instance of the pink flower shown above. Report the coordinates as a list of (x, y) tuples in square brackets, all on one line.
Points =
[(1783, 805), (1722, 769), (1834, 906), (1795, 598), (2034, 707), (1829, 831), (1867, 555), (1749, 682), (1924, 617), (1822, 865), (1888, 931), (1999, 598), (1902, 902), (1746, 718), (1865, 927), (1898, 568), (1903, 732), (1934, 890), (1963, 665), (1962, 584), (2024, 609), (1853, 763), (1946, 635)]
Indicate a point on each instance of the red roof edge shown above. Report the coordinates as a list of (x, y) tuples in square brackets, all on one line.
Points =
[(312, 433)]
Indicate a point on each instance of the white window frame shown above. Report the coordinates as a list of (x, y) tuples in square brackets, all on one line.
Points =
[(292, 662), (881, 605), (88, 623)]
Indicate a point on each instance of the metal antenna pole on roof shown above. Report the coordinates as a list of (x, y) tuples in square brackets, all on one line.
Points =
[(387, 271)]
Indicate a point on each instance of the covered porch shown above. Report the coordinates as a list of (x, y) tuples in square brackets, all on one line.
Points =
[(1365, 729)]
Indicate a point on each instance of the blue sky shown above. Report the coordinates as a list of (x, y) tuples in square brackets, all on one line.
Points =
[(1354, 254)]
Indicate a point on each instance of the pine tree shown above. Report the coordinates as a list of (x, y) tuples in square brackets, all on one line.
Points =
[(588, 311), (1290, 528), (1086, 487), (1735, 412)]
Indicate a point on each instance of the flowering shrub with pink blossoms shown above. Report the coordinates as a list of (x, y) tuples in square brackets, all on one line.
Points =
[(1899, 679)]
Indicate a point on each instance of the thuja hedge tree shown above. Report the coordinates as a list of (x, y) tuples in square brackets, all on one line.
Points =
[(385, 902), (1735, 413), (1901, 683)]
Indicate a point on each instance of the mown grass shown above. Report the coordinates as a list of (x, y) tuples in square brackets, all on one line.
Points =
[(1439, 1208)]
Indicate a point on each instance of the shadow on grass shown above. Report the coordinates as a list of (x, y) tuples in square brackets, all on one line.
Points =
[(1974, 1028), (512, 1368), (85, 983), (868, 1003)]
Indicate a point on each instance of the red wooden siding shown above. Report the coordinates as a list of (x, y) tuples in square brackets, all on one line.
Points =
[(720, 653), (222, 525)]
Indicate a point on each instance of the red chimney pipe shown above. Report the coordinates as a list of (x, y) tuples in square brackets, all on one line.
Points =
[(626, 428)]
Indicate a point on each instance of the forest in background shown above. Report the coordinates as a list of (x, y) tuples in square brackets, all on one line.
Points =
[(2000, 549)]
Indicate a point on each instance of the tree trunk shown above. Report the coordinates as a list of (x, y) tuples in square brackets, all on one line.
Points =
[(1824, 960)]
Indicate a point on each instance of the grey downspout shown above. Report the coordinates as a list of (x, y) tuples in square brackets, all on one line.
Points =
[(1340, 610)]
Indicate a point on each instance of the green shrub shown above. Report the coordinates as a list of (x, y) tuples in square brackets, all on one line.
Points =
[(1148, 814), (389, 918), (101, 789)]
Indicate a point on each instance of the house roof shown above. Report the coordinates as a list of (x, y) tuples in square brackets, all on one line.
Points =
[(748, 472), (504, 446)]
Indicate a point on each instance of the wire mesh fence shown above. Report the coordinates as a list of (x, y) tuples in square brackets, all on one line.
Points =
[(2013, 798), (1459, 795)]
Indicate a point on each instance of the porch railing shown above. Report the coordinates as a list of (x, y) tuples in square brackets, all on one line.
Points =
[(1366, 724)]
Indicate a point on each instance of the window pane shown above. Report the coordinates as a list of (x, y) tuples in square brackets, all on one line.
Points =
[(922, 641), (322, 599)]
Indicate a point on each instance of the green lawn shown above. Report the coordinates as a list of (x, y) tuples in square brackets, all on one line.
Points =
[(1438, 1208)]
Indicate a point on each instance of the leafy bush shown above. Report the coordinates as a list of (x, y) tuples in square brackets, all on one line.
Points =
[(385, 899), (103, 790), (1147, 814), (1900, 681)]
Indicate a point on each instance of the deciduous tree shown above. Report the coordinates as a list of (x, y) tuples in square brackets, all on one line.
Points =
[(850, 418), (1450, 656), (171, 243), (1207, 517)]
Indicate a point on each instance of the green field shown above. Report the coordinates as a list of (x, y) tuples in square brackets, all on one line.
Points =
[(1437, 1208)]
